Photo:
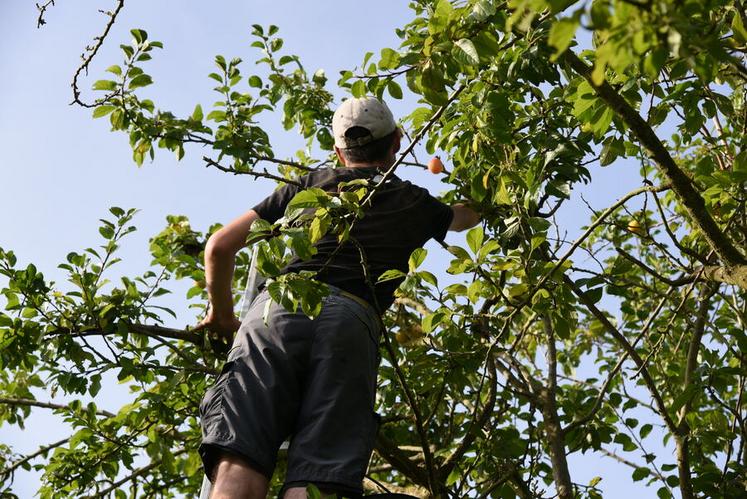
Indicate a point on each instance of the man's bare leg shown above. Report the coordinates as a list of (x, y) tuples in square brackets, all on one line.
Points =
[(295, 493), (300, 493), (235, 479)]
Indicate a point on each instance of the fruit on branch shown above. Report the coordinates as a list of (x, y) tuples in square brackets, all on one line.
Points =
[(635, 227), (409, 335), (435, 165)]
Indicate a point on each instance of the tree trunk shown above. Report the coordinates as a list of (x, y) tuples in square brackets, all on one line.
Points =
[(683, 466), (553, 429)]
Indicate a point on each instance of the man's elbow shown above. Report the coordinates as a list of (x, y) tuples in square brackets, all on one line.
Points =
[(464, 218), (218, 246)]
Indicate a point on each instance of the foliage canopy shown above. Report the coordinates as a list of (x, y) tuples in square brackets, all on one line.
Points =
[(487, 390)]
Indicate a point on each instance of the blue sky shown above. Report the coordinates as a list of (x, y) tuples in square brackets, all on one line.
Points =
[(62, 170)]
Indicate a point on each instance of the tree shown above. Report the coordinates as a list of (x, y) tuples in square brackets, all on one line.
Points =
[(482, 391)]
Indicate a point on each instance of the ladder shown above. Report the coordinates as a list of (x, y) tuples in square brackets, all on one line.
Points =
[(253, 281)]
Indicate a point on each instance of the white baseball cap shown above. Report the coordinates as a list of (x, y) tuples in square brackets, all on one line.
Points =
[(365, 112)]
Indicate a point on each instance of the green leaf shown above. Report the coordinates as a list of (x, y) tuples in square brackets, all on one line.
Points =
[(197, 113), (518, 290), (428, 277), (561, 35), (391, 275), (103, 111), (475, 237), (502, 197), (394, 89), (645, 430), (600, 14), (474, 291), (106, 231), (430, 321), (141, 80), (416, 258), (139, 35), (217, 115), (309, 198), (117, 119), (358, 89), (433, 86), (28, 313), (107, 85), (640, 474), (612, 149), (482, 10), (468, 50), (255, 81), (389, 59), (312, 492), (318, 228), (115, 70), (594, 295), (128, 50), (737, 27)]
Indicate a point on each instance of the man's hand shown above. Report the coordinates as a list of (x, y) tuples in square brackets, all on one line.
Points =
[(220, 330), (464, 217)]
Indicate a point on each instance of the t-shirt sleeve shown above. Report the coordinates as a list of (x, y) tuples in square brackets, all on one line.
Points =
[(273, 206), (438, 216)]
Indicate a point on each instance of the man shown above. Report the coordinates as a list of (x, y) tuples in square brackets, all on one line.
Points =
[(315, 380)]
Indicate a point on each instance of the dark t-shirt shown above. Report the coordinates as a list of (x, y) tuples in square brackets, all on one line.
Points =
[(401, 218)]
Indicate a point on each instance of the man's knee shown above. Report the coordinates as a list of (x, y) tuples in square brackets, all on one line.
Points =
[(235, 478), (300, 493)]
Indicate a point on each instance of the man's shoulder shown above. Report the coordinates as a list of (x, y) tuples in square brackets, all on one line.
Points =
[(326, 175)]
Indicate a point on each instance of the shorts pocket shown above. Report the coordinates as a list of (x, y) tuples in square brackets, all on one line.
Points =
[(213, 397)]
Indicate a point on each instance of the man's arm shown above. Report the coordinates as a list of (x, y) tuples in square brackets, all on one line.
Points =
[(220, 257), (464, 217)]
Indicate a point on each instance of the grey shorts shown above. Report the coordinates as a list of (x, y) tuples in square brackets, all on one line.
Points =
[(312, 380)]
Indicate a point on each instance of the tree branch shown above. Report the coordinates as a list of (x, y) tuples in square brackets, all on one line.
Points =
[(596, 223), (478, 422), (610, 377), (46, 405), (399, 460), (620, 338), (431, 474), (624, 461), (91, 51), (553, 429), (680, 182), (144, 329), (167, 332), (686, 279), (43, 10), (735, 275), (668, 229), (683, 439), (265, 174), (132, 476), (8, 472)]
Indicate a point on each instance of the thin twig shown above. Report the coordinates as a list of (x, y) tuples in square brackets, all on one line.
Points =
[(255, 174), (134, 475), (90, 53), (43, 10), (46, 405), (8, 472)]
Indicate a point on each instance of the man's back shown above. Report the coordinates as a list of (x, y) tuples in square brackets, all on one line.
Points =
[(402, 217)]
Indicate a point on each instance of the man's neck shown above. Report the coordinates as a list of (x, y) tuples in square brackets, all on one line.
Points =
[(381, 165)]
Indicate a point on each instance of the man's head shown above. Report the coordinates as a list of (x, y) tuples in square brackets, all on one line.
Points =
[(365, 132)]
